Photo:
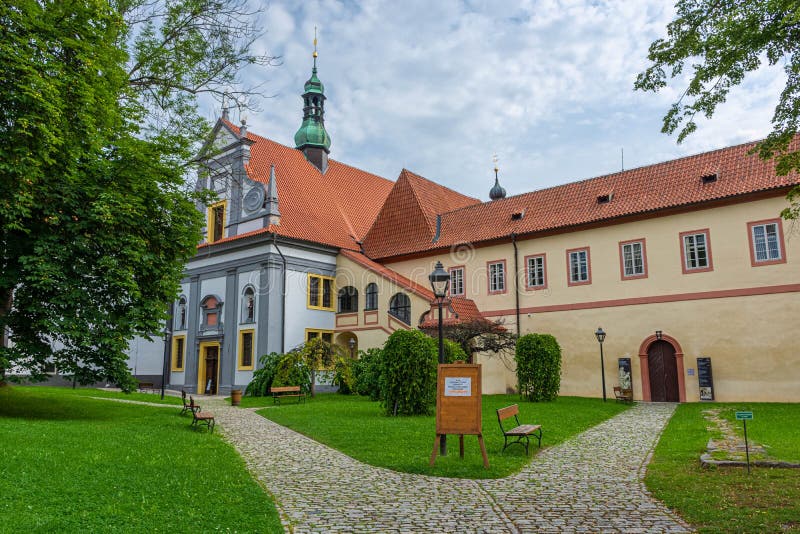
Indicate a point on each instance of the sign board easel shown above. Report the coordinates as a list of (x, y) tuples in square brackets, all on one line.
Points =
[(458, 406)]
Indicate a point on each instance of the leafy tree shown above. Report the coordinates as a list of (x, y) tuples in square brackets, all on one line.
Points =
[(723, 41), (98, 121), (477, 336), (408, 375), (264, 375), (292, 370), (453, 352), (538, 359), (367, 371)]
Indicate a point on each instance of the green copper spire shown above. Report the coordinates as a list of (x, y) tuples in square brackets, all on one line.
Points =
[(312, 133)]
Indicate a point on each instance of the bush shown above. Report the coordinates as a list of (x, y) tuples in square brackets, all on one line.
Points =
[(538, 358), (453, 352), (409, 373), (292, 370), (263, 376), (367, 373), (343, 375)]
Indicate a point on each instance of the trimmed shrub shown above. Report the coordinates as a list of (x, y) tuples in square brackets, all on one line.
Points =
[(538, 358), (367, 373), (263, 376), (452, 351), (343, 375), (409, 373), (292, 370)]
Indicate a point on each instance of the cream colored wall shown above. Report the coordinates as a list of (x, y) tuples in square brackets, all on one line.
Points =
[(749, 338), (350, 273)]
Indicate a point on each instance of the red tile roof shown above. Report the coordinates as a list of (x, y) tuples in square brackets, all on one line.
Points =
[(666, 185), (336, 208), (466, 310), (388, 274), (408, 217)]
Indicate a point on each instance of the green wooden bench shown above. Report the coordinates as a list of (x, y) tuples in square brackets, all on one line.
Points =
[(521, 432)]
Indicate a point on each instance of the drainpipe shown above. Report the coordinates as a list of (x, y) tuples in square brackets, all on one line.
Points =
[(283, 294), (516, 276)]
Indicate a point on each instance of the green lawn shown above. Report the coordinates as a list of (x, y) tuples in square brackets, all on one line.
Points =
[(357, 427), (135, 396), (73, 464), (728, 499)]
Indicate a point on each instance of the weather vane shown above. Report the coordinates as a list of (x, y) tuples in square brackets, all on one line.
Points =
[(495, 159), (315, 41)]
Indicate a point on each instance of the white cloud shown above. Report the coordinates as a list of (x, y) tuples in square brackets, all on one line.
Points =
[(438, 87)]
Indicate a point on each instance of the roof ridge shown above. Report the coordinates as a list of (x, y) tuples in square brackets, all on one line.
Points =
[(388, 273)]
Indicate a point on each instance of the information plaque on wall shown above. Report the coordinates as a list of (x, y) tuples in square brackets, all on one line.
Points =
[(705, 379)]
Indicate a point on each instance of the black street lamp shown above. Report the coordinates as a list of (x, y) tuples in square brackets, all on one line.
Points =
[(440, 281), (167, 349), (658, 335), (601, 336)]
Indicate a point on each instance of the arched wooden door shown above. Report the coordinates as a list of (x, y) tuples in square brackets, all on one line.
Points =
[(663, 372)]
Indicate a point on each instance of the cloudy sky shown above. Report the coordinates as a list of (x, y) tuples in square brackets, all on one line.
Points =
[(440, 86)]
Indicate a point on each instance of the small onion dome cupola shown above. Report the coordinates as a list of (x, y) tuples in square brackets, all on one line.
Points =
[(497, 192), (311, 137)]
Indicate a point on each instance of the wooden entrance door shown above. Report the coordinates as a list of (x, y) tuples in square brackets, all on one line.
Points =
[(208, 370), (663, 372)]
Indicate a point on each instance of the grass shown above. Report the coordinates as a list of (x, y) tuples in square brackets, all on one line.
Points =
[(728, 499), (73, 464), (357, 427), (134, 396)]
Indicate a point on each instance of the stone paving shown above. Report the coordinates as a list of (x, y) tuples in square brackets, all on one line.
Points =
[(591, 483)]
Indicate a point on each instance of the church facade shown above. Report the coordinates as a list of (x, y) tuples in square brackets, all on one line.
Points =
[(686, 265)]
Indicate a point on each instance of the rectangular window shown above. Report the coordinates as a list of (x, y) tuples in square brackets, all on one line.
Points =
[(216, 221), (497, 276), (456, 281), (246, 349), (535, 274), (696, 251), (578, 267), (633, 260), (766, 242), (326, 335), (320, 292), (178, 352)]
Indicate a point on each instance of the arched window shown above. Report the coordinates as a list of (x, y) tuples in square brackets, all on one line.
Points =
[(249, 305), (400, 307), (372, 297), (348, 300), (211, 308), (180, 314)]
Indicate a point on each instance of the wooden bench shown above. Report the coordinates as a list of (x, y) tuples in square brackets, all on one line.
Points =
[(145, 386), (521, 432), (623, 395), (200, 417), (185, 400), (287, 391)]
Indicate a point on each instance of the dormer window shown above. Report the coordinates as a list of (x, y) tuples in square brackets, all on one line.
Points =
[(605, 199), (517, 216), (709, 178), (211, 308)]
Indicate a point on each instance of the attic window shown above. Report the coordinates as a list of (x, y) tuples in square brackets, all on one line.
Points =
[(517, 216), (709, 178), (605, 199)]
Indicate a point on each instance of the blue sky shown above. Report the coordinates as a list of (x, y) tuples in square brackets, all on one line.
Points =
[(438, 87)]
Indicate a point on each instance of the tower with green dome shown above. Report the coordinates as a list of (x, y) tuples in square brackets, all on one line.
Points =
[(311, 137)]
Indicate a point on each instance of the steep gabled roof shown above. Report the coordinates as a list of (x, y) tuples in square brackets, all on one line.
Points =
[(336, 208), (408, 217), (730, 172)]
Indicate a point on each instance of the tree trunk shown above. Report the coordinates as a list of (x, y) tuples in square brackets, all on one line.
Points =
[(5, 308)]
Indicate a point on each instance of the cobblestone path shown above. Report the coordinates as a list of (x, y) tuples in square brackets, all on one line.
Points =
[(591, 483)]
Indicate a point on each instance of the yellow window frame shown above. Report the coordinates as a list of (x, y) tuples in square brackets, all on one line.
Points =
[(212, 237), (318, 305), (175, 353), (239, 363), (318, 332)]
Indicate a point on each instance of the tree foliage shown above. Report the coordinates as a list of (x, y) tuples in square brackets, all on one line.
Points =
[(538, 358), (723, 41), (477, 336), (409, 373), (367, 371), (98, 121), (264, 375)]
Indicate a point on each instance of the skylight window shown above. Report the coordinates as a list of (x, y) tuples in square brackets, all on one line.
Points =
[(709, 178), (605, 199)]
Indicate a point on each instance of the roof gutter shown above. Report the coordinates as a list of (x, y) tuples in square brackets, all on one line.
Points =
[(516, 277), (283, 294)]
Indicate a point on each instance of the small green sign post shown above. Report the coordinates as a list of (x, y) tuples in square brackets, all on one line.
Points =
[(744, 417)]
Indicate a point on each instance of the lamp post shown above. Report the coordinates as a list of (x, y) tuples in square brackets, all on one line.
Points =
[(352, 344), (658, 335), (440, 281), (167, 348), (601, 336)]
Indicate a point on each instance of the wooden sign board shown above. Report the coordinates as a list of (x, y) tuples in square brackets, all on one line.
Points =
[(458, 399)]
